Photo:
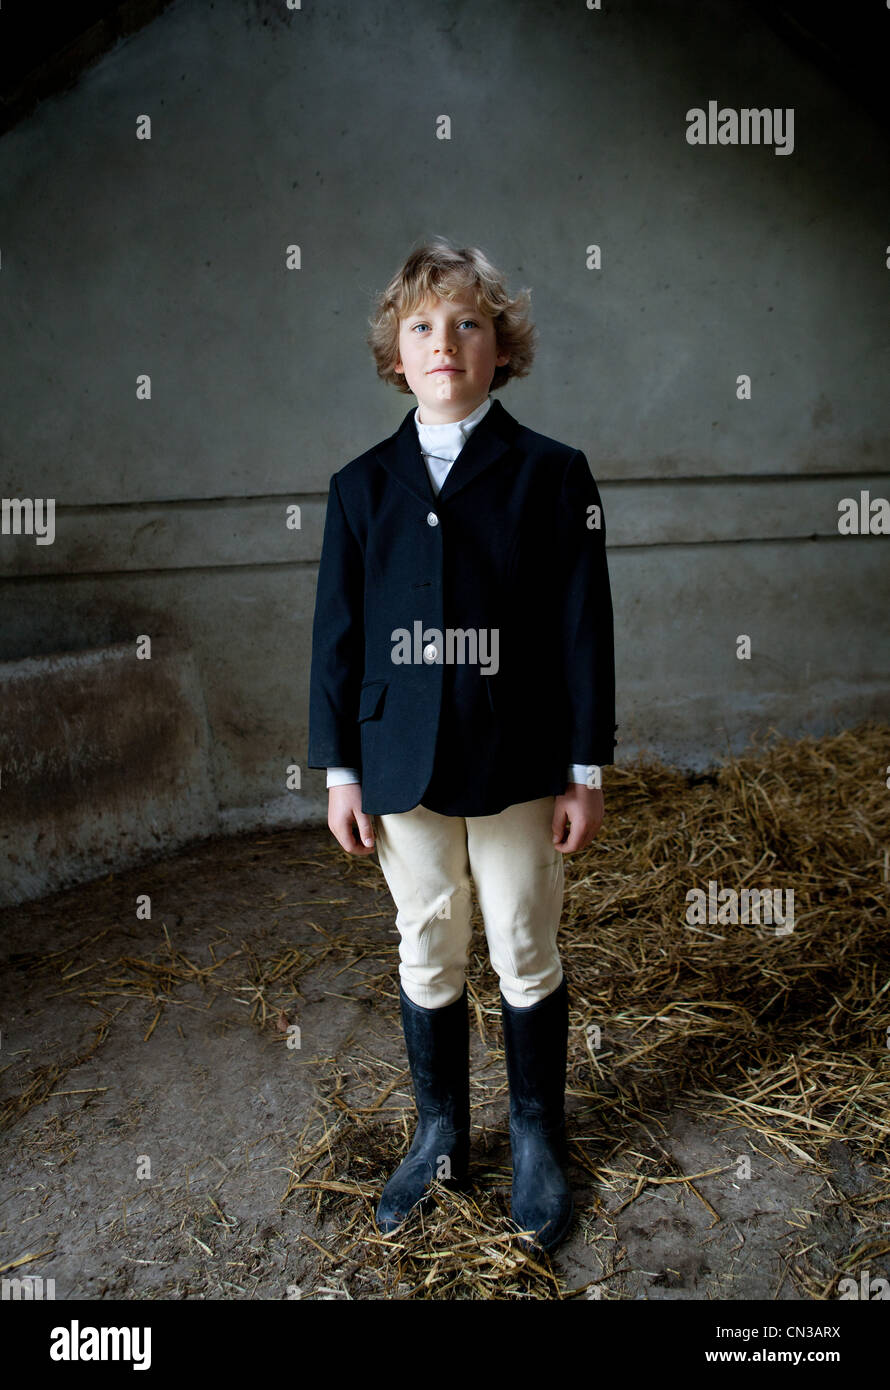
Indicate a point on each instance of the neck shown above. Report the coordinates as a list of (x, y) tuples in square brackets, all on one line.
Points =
[(428, 415)]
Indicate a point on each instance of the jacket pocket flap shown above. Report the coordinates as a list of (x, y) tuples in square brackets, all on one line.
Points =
[(370, 699)]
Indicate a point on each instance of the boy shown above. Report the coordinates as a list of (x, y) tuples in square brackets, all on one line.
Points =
[(462, 699)]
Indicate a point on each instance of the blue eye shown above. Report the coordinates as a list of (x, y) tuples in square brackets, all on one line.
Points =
[(460, 325)]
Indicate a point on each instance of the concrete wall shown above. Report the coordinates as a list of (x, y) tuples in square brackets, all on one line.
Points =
[(105, 760), (318, 127)]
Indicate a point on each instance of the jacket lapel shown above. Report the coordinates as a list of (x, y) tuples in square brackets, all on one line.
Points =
[(401, 457)]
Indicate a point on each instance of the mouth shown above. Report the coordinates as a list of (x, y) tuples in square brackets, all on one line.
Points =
[(445, 369)]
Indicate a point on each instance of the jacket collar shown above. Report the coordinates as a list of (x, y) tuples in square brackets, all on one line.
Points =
[(401, 457)]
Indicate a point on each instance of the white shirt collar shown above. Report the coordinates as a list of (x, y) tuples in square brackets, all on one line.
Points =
[(448, 439)]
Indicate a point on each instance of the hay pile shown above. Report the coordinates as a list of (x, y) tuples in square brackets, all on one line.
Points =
[(785, 1034)]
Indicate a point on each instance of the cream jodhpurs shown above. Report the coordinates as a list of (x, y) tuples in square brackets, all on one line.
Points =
[(427, 860)]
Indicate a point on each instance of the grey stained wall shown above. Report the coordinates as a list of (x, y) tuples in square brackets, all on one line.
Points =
[(318, 127)]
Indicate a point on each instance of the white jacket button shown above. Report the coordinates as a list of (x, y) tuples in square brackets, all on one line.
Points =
[(431, 652), (432, 519)]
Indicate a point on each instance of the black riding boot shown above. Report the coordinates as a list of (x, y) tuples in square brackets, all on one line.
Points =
[(535, 1043), (438, 1045)]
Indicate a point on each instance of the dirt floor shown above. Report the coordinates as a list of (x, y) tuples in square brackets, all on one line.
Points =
[(166, 1138)]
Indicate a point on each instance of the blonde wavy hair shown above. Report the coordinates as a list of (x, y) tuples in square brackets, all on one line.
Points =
[(439, 269)]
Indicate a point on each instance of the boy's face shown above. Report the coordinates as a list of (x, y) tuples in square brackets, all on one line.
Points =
[(444, 335)]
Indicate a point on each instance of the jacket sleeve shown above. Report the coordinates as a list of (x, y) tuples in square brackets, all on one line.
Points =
[(337, 644), (587, 626)]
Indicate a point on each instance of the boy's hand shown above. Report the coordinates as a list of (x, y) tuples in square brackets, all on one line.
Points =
[(347, 821), (583, 807)]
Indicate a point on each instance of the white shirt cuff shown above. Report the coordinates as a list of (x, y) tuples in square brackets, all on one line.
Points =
[(579, 772), (339, 776)]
